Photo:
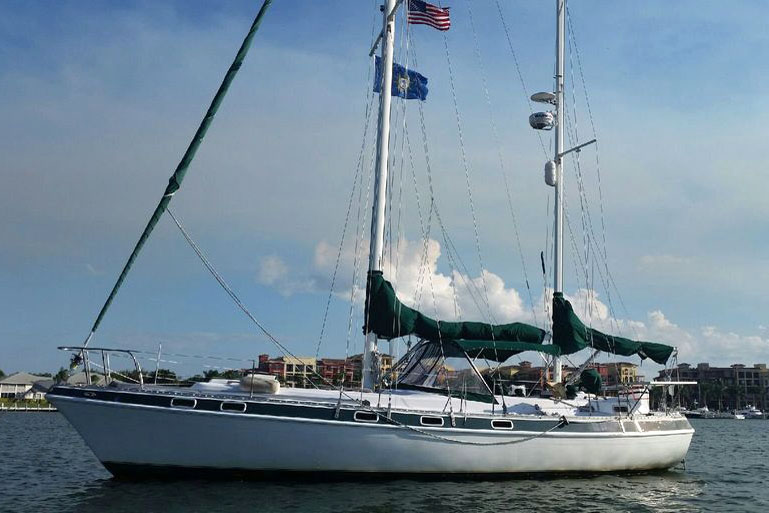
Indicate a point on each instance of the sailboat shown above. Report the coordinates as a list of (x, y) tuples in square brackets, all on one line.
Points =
[(435, 413)]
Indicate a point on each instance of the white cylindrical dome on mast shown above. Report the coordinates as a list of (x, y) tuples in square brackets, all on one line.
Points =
[(551, 173), (542, 120)]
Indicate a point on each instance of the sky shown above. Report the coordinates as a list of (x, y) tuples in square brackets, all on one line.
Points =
[(99, 101)]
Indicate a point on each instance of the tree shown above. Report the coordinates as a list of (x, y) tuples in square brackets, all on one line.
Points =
[(211, 374), (2, 374), (232, 374), (228, 374), (61, 376)]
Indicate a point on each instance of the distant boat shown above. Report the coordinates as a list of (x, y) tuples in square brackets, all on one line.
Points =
[(699, 413), (750, 412)]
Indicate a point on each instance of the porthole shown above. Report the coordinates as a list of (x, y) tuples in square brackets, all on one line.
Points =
[(230, 406), (431, 421), (365, 416), (183, 402), (502, 424)]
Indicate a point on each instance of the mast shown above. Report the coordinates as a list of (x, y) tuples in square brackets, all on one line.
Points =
[(369, 373), (559, 119)]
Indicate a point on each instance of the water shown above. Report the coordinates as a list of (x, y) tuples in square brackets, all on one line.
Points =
[(45, 466)]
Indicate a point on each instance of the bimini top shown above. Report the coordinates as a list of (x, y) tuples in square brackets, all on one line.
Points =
[(501, 350)]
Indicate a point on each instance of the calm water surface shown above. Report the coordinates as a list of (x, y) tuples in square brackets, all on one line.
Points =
[(45, 466)]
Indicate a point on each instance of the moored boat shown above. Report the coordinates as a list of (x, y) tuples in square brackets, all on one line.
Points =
[(434, 413)]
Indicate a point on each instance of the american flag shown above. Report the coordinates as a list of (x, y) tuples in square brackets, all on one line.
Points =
[(422, 13)]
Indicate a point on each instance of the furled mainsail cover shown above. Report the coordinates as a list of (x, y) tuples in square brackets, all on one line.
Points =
[(389, 318), (571, 336)]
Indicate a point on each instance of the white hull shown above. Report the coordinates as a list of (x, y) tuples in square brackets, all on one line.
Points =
[(149, 436)]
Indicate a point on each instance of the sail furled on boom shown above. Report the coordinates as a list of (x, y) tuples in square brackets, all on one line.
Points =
[(389, 318), (571, 335), (175, 182)]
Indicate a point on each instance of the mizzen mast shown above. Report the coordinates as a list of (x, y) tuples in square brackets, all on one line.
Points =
[(554, 168), (558, 228)]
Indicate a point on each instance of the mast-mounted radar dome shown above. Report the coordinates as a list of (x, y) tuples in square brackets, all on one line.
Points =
[(542, 120), (543, 98)]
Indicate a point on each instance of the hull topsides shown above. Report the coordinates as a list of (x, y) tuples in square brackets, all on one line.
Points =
[(136, 438)]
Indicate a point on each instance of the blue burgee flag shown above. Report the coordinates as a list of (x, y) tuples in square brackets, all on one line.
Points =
[(407, 83)]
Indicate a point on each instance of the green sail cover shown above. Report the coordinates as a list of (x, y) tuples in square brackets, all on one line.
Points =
[(571, 336), (389, 318), (500, 350), (590, 381)]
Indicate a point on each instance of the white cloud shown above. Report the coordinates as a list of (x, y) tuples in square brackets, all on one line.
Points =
[(413, 270), (274, 272), (272, 269)]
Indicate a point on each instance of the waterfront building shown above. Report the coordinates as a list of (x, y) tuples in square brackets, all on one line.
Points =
[(334, 369), (723, 388), (19, 386), (302, 372), (619, 373), (291, 371)]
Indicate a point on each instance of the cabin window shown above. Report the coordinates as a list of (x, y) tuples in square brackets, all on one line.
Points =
[(502, 424), (183, 402), (431, 421), (620, 409), (230, 406), (365, 416)]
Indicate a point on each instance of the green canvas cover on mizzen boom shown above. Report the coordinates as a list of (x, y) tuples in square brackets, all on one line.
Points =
[(181, 169), (389, 318), (571, 335)]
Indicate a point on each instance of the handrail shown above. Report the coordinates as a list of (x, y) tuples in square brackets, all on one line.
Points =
[(84, 350)]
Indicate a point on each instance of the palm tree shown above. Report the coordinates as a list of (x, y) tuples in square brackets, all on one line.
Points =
[(719, 389)]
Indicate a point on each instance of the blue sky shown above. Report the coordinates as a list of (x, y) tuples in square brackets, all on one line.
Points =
[(99, 101)]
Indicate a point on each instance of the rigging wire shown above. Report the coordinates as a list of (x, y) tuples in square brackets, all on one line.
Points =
[(359, 166), (466, 166), (451, 252), (518, 71), (227, 288), (362, 216), (503, 171)]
